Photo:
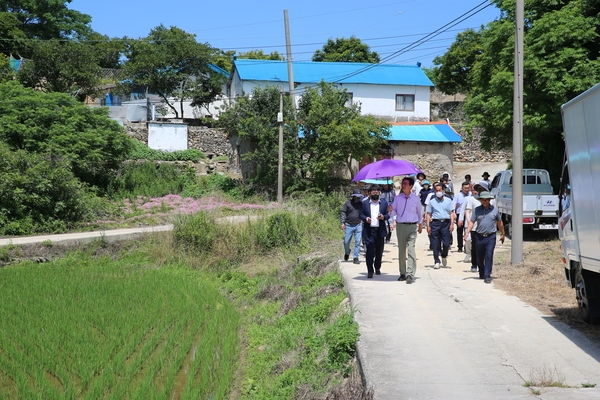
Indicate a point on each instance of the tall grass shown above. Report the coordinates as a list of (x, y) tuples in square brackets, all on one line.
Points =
[(149, 179), (100, 328)]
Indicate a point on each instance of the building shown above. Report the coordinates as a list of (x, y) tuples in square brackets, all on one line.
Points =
[(399, 94), (391, 92)]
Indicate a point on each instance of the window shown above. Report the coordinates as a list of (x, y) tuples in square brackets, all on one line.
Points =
[(349, 101), (405, 102)]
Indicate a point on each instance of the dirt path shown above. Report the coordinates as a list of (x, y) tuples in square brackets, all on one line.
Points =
[(476, 170)]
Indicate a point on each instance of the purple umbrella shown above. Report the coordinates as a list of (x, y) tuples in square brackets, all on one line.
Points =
[(386, 168)]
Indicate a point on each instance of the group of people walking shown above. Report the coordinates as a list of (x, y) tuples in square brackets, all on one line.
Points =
[(371, 218)]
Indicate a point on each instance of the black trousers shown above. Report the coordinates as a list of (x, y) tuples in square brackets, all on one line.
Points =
[(440, 234), (460, 231), (474, 250), (374, 243)]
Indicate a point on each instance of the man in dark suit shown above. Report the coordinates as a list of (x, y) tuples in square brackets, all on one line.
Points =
[(374, 214)]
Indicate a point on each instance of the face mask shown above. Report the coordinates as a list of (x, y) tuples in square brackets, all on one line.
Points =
[(375, 197), (439, 194)]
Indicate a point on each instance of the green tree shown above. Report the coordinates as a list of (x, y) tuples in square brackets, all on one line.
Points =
[(6, 72), (254, 118), (63, 66), (335, 132), (332, 134), (15, 41), (172, 64), (260, 55), (451, 74), (38, 193), (55, 123), (346, 50), (45, 20), (561, 51)]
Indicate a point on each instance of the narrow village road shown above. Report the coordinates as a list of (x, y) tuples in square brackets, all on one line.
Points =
[(451, 336)]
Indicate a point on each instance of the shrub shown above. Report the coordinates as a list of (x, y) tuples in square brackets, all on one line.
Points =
[(195, 233), (84, 137), (149, 179), (278, 230), (39, 193), (232, 188), (143, 152)]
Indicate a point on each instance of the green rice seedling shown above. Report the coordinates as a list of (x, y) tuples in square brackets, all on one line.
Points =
[(99, 328)]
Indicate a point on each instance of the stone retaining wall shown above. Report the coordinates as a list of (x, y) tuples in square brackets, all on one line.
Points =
[(210, 141), (431, 157)]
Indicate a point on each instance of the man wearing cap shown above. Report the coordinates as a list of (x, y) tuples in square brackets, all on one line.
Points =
[(352, 225), (407, 212), (485, 182), (465, 214), (488, 222), (440, 223), (374, 213)]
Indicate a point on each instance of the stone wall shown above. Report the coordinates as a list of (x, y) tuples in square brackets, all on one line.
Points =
[(210, 141), (470, 150), (432, 158)]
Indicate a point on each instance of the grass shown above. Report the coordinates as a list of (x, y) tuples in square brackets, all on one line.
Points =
[(123, 320), (115, 327)]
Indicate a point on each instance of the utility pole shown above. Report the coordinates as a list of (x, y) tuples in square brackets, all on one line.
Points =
[(517, 172), (280, 159), (288, 50)]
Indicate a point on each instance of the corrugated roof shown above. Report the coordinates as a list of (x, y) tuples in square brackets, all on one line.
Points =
[(332, 72), (424, 132)]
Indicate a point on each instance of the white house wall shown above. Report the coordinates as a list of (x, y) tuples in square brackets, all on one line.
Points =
[(380, 100), (377, 100)]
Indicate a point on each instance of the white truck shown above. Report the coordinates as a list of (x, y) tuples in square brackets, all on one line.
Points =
[(540, 204), (579, 222)]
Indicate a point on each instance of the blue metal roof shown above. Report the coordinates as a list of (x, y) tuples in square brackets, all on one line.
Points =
[(332, 72), (218, 69), (424, 133)]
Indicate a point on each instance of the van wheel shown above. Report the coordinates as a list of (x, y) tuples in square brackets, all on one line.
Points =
[(587, 306)]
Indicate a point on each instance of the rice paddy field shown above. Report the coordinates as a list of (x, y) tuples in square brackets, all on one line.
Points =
[(96, 328)]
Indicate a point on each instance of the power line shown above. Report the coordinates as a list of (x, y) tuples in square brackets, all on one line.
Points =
[(475, 10)]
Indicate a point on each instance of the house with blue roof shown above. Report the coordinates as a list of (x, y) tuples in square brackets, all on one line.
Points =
[(396, 93), (392, 92)]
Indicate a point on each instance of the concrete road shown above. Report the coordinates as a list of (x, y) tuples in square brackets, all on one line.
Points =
[(86, 237), (451, 336)]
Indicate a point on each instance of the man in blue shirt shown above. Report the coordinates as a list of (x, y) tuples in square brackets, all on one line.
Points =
[(440, 224)]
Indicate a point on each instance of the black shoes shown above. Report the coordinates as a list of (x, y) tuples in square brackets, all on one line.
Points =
[(488, 280), (402, 278), (355, 261), (377, 272), (370, 275), (409, 279), (346, 257)]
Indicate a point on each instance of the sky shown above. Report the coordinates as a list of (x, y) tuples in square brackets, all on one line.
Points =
[(398, 31)]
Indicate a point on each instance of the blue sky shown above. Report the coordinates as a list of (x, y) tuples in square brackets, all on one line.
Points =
[(387, 27)]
